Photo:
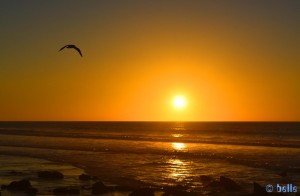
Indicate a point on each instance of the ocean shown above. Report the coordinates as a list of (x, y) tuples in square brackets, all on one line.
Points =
[(160, 154)]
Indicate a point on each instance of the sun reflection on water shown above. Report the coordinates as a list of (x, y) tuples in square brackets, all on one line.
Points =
[(177, 135), (178, 170), (178, 146)]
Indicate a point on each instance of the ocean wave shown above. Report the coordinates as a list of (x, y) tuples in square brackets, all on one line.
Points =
[(187, 138)]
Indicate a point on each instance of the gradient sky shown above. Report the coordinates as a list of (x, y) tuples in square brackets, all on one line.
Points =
[(232, 60)]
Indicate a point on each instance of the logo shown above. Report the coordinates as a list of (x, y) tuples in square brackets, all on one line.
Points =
[(280, 188), (269, 188), (289, 188)]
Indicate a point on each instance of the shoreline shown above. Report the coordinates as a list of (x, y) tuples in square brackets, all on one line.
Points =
[(210, 185), (94, 169)]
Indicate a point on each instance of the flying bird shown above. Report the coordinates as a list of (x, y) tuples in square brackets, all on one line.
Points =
[(72, 46)]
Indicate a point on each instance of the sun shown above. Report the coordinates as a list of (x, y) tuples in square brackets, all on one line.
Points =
[(179, 102)]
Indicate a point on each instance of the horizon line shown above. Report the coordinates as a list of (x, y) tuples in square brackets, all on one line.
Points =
[(207, 121)]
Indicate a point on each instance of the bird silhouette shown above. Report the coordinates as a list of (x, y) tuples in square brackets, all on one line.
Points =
[(72, 46)]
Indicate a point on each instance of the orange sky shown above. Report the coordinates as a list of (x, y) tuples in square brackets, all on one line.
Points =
[(232, 61)]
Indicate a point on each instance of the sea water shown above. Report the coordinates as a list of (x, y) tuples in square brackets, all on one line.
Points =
[(164, 153)]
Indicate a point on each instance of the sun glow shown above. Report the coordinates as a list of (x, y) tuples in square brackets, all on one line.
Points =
[(179, 102)]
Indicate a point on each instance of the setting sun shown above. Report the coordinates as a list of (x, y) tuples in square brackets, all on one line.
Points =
[(179, 102)]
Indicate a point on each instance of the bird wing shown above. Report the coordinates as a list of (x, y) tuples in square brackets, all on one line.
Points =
[(63, 47), (77, 50)]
